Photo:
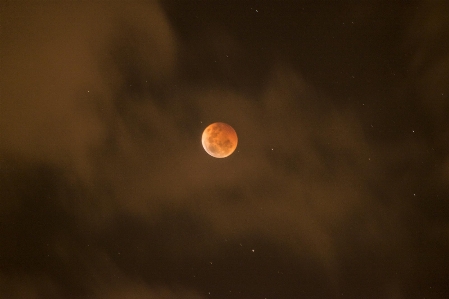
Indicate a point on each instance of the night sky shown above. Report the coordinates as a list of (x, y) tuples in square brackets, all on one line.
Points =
[(339, 186)]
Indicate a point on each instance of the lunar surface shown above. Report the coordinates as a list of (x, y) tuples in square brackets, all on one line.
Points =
[(219, 140)]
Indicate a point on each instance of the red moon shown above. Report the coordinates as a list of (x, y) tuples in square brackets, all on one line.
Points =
[(219, 140)]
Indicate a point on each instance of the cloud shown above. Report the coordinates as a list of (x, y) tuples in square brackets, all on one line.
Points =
[(39, 286), (429, 73), (300, 178), (54, 89), (104, 167)]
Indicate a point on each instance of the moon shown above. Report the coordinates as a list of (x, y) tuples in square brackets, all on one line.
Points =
[(219, 140)]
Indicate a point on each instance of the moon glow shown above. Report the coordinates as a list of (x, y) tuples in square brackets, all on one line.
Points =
[(219, 140)]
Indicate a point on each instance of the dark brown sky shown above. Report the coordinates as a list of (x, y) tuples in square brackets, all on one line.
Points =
[(339, 187)]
